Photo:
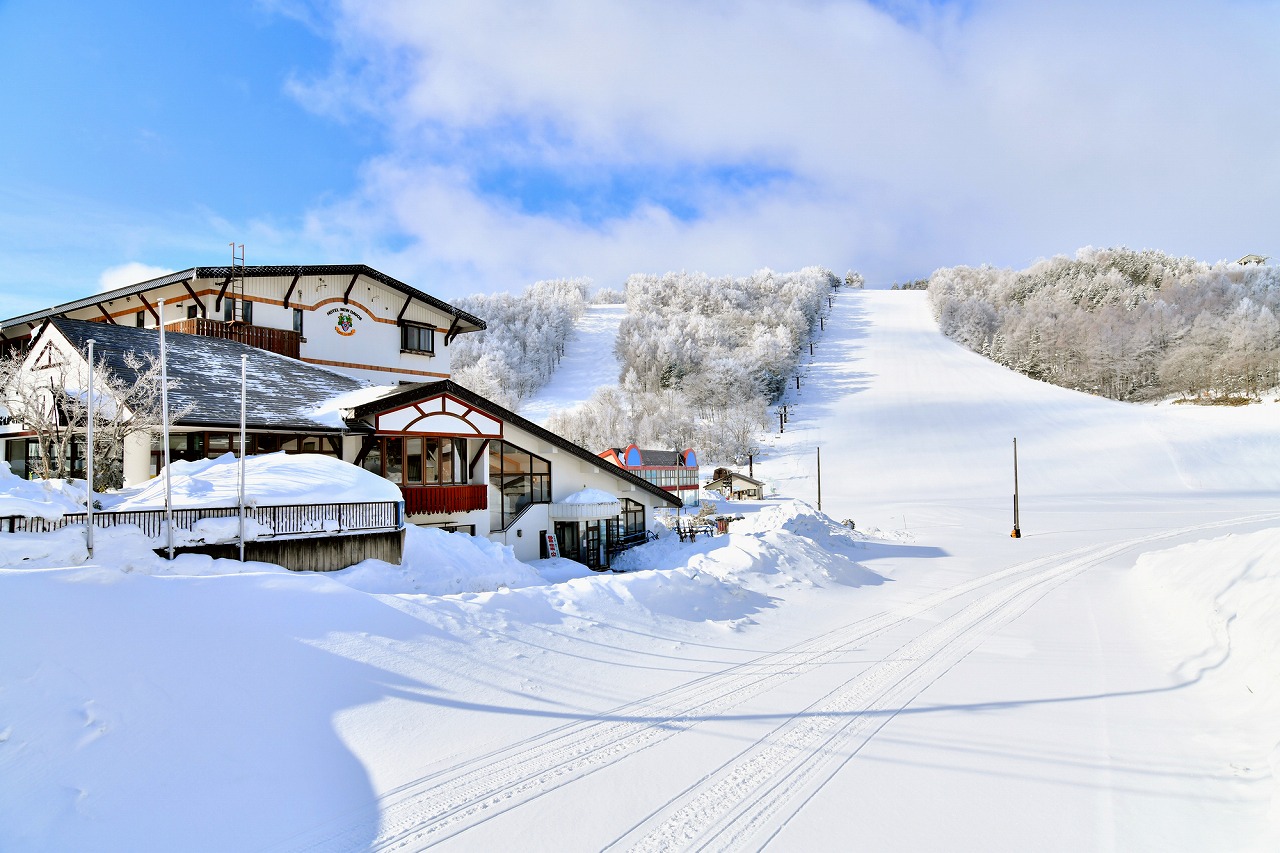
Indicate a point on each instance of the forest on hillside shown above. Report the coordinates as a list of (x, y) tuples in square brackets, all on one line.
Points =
[(524, 340), (1124, 324), (702, 359)]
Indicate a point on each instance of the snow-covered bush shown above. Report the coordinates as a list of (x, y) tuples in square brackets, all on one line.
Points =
[(1131, 325)]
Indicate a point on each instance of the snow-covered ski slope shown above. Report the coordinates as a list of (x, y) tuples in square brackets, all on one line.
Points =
[(785, 687), (588, 363)]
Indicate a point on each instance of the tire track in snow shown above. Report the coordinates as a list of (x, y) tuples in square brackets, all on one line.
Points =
[(746, 801), (442, 804)]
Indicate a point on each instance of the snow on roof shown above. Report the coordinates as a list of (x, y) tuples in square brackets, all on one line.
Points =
[(274, 479), (590, 496), (205, 373)]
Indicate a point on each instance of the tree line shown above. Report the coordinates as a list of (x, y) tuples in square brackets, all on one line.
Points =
[(1124, 324), (524, 340), (701, 360)]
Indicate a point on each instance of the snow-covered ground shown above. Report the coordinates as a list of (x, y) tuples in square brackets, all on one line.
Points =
[(1105, 682), (588, 363)]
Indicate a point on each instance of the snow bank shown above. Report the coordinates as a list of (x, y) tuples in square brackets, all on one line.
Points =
[(1217, 603), (47, 499), (440, 563), (274, 479), (783, 543)]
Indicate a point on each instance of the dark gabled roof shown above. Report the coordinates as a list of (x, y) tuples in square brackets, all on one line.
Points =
[(407, 394), (205, 373), (733, 474), (247, 272), (664, 458)]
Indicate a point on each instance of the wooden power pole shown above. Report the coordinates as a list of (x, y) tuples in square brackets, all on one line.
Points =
[(1017, 529)]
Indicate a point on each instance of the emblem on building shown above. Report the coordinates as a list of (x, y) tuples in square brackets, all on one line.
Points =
[(345, 321)]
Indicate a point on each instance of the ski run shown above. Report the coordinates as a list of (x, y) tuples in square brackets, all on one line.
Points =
[(921, 682)]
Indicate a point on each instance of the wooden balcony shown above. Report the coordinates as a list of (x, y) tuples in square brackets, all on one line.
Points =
[(428, 500), (280, 341)]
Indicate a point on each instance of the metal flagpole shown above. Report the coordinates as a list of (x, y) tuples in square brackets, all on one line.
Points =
[(1017, 530), (244, 385), (164, 431), (88, 461)]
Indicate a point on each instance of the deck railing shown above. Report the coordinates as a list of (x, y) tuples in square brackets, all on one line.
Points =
[(428, 500), (337, 519), (281, 341)]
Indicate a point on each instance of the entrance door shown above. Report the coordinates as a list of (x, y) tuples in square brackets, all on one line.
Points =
[(567, 538), (593, 547)]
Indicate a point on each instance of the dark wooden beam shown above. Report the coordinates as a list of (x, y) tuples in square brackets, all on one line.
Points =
[(453, 331), (110, 319), (154, 312), (289, 292), (471, 469), (365, 447), (217, 306), (346, 296), (194, 298), (403, 308)]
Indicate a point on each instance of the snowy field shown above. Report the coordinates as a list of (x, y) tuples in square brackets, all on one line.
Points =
[(1107, 682)]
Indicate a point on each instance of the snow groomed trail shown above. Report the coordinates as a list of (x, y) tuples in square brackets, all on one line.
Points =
[(588, 363), (1067, 739)]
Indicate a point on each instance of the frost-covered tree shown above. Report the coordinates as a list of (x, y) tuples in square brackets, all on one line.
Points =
[(1131, 325), (524, 340)]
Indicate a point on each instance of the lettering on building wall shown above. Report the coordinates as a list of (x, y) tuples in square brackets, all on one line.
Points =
[(345, 322)]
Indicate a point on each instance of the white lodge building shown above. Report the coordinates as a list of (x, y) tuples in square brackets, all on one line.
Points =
[(346, 316), (317, 338)]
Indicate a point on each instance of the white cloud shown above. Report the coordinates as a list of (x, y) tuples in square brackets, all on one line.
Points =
[(999, 132), (130, 273)]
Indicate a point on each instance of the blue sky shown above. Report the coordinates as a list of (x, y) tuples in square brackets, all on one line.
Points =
[(482, 146)]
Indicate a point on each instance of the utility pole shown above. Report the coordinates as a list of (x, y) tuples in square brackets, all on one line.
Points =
[(244, 393), (1017, 529), (819, 479)]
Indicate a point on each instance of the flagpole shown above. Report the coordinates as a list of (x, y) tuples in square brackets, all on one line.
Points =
[(244, 385), (88, 462), (164, 430)]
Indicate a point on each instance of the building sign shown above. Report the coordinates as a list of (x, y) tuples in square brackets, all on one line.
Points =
[(553, 547), (345, 320)]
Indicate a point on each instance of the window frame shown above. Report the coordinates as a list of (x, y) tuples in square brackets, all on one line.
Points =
[(418, 330)]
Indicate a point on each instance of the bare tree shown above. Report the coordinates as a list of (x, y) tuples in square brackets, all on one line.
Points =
[(48, 393)]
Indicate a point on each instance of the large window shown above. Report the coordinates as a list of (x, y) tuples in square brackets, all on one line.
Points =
[(520, 478), (417, 338), (631, 523), (426, 460)]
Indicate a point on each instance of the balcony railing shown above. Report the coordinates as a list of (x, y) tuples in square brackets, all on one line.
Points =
[(281, 341), (292, 521), (428, 500)]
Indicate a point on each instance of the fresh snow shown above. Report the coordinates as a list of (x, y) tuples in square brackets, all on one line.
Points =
[(923, 682), (273, 479), (47, 499), (590, 497)]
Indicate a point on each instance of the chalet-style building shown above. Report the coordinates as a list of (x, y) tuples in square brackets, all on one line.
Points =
[(737, 487), (462, 462), (674, 470), (346, 316)]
